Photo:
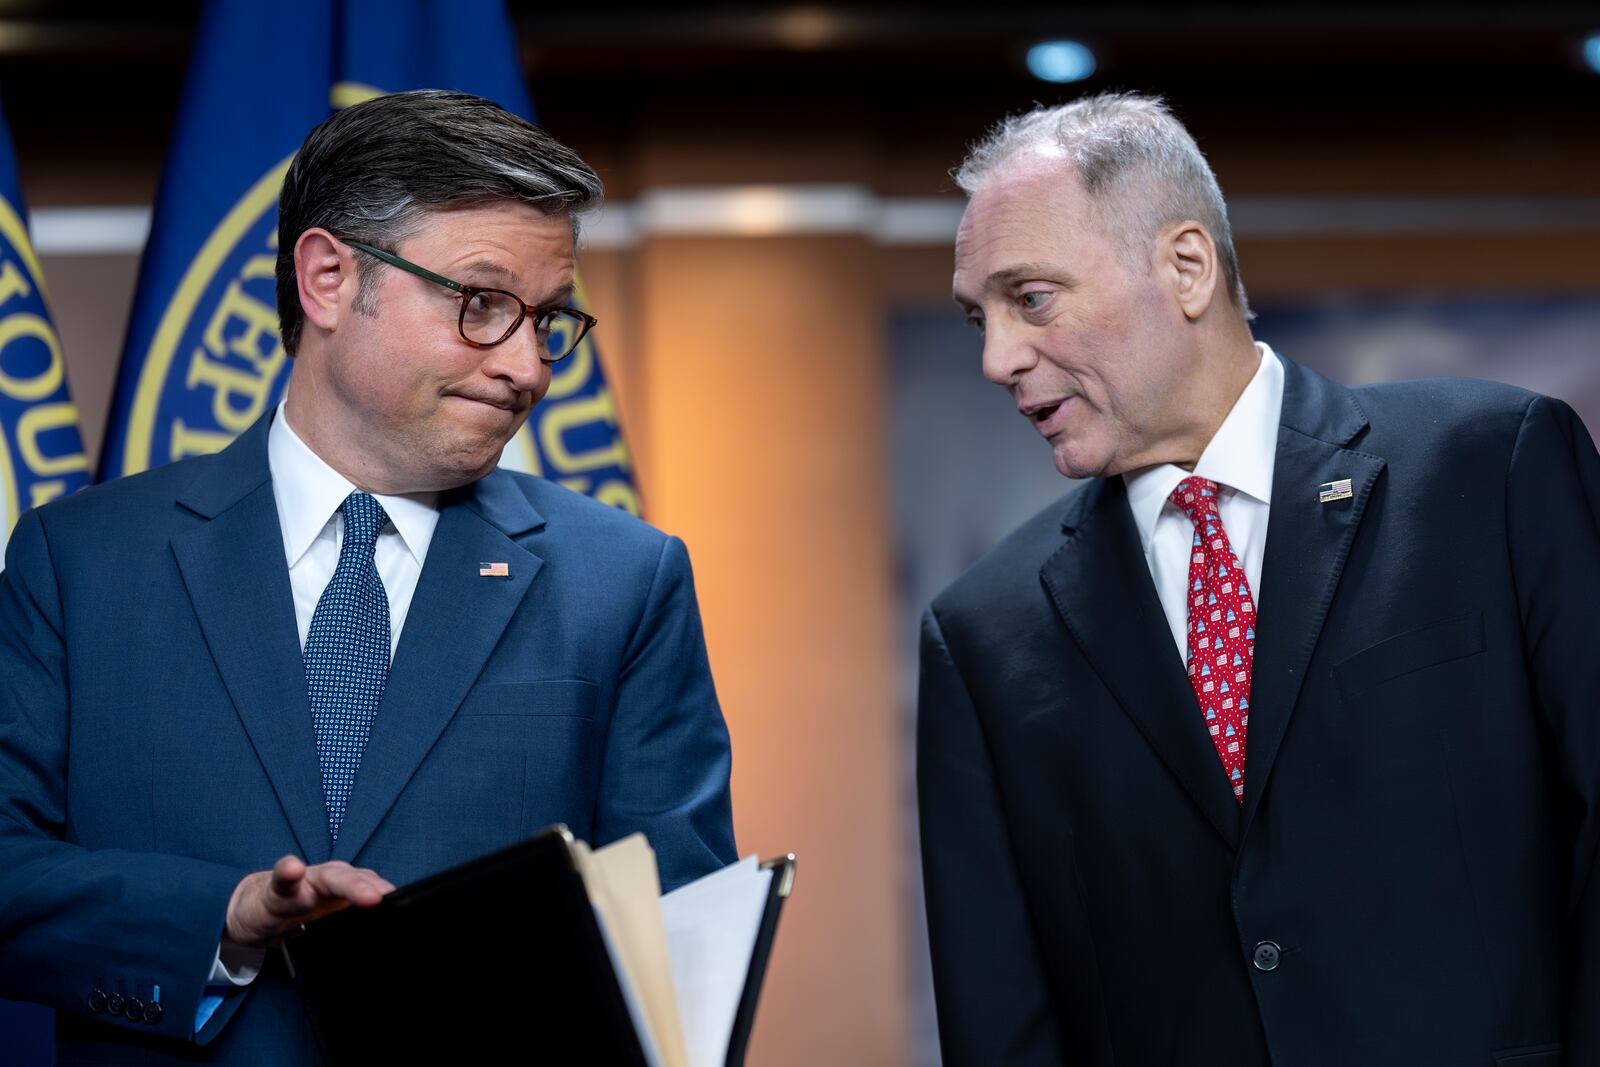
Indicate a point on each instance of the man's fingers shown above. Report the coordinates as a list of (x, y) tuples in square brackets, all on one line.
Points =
[(339, 881), (267, 903), (287, 874)]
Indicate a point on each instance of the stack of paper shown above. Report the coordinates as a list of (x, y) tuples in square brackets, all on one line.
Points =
[(682, 960)]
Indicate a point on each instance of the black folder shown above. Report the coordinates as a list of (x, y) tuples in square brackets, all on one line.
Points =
[(502, 953)]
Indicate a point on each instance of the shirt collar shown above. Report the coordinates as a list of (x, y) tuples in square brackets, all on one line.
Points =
[(308, 493), (1240, 455)]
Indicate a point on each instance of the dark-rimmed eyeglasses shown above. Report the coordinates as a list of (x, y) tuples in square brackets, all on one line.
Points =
[(489, 316)]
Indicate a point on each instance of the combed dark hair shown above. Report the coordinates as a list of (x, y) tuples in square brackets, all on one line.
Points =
[(373, 170)]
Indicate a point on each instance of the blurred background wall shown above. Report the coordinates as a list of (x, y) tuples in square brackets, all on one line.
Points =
[(1416, 191)]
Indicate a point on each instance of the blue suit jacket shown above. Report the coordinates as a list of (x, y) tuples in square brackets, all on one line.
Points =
[(1421, 818), (156, 743)]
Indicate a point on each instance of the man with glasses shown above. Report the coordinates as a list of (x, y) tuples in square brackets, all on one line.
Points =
[(347, 651)]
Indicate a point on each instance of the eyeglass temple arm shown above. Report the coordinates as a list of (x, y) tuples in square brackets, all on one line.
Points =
[(395, 261)]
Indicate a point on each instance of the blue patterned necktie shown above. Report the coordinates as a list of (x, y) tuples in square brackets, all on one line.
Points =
[(347, 654)]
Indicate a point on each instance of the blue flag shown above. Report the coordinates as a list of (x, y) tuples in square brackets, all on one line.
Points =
[(203, 359), (41, 452), (41, 458)]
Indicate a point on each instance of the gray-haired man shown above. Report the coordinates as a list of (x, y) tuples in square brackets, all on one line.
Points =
[(347, 648), (1276, 742)]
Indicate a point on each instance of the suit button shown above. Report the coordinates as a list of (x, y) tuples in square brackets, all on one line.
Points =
[(114, 1003), (97, 1000), (134, 1009), (153, 1013), (1267, 956)]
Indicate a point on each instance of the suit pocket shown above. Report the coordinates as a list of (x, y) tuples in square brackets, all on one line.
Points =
[(1536, 1056), (569, 697), (1440, 642)]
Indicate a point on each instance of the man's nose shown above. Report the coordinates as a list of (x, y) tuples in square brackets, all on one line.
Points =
[(518, 360), (1006, 354)]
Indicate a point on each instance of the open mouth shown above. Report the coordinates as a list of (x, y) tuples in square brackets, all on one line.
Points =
[(1048, 418)]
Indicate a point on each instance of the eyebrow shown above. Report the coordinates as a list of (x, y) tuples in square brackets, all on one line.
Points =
[(561, 297), (480, 268), (1004, 279), (495, 272)]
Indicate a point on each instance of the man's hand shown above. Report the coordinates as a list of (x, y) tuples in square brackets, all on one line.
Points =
[(267, 904)]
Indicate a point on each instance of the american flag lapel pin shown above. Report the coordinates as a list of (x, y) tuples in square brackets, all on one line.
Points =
[(1328, 492), (494, 570)]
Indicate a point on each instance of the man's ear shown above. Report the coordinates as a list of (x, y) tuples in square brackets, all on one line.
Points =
[(325, 276), (1190, 259)]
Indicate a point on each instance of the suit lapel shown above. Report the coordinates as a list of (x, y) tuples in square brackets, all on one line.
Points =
[(1101, 585), (238, 582), (1307, 544), (455, 620)]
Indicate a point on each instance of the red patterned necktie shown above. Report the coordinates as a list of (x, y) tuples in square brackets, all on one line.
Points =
[(1222, 630)]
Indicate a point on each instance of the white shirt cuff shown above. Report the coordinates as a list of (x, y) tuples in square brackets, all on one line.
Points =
[(234, 965)]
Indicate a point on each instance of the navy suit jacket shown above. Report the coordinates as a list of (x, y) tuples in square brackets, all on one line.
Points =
[(1422, 782), (156, 742)]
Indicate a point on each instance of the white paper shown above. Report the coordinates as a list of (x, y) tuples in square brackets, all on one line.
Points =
[(712, 925)]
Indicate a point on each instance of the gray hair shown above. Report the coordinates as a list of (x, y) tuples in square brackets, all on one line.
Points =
[(1138, 164), (374, 171)]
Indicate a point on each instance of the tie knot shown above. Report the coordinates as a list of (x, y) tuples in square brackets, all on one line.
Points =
[(363, 518), (1196, 498)]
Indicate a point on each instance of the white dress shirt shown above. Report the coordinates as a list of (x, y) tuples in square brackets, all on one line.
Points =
[(1239, 458), (308, 494)]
